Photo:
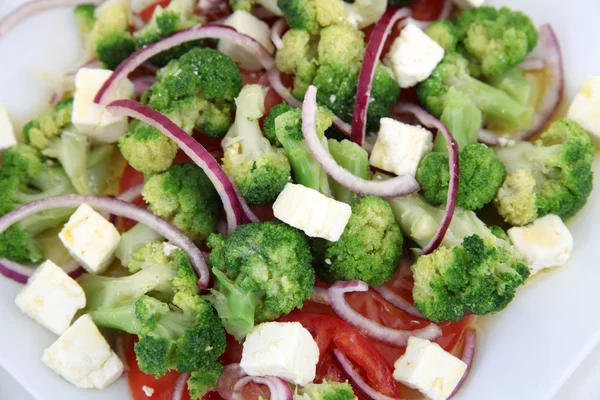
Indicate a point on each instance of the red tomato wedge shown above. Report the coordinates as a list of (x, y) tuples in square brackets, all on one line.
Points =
[(427, 10), (147, 13)]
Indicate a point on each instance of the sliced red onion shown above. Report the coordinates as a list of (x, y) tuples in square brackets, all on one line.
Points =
[(35, 7), (431, 122), (380, 33), (279, 389), (398, 301), (195, 33), (356, 380), (212, 6), (231, 374), (142, 83), (180, 387), (396, 337), (122, 209), (532, 64), (132, 193), (21, 273), (236, 209), (395, 187), (276, 32), (468, 355), (319, 295)]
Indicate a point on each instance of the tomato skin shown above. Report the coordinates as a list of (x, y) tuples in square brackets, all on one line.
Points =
[(426, 10), (147, 13)]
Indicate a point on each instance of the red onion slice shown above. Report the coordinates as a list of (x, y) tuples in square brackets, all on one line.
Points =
[(356, 380), (396, 337), (21, 273), (231, 374), (212, 6), (398, 301), (132, 193), (276, 32), (180, 387), (431, 122), (236, 209), (395, 187), (468, 355), (195, 33), (380, 33), (122, 209), (35, 7), (142, 83), (532, 64), (279, 389)]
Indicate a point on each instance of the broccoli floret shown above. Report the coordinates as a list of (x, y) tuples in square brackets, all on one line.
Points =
[(328, 390), (161, 304), (355, 159), (554, 175), (84, 16), (132, 241), (41, 130), (298, 56), (207, 75), (473, 270), (369, 249), (147, 150), (269, 122), (25, 177), (259, 170), (310, 15), (262, 271), (110, 36), (204, 380), (498, 39), (184, 196), (481, 174), (306, 170), (245, 5), (444, 33), (452, 73), (462, 118)]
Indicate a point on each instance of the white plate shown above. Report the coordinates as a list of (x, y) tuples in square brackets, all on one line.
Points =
[(528, 351)]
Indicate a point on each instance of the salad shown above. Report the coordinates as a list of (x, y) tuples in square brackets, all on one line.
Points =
[(292, 199)]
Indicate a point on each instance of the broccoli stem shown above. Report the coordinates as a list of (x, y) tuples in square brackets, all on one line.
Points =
[(71, 150), (306, 170), (514, 84), (462, 118), (353, 158), (122, 318)]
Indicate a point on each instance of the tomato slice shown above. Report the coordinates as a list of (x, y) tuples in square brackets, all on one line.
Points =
[(426, 10), (147, 13)]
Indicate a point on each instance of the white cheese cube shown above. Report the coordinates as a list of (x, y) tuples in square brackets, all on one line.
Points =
[(585, 108), (83, 357), (90, 239), (545, 243), (413, 56), (283, 349), (467, 4), (51, 297), (312, 212), (93, 119), (248, 24), (7, 132), (400, 147), (427, 367)]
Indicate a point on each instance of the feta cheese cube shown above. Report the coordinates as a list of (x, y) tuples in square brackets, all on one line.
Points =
[(312, 212), (83, 357), (400, 147), (93, 119), (413, 56), (7, 132), (90, 239), (248, 24), (427, 367), (585, 108), (545, 243), (283, 349), (467, 4), (51, 297)]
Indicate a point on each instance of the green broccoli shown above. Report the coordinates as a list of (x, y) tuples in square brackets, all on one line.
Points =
[(327, 390), (481, 174), (554, 175), (245, 5), (84, 16), (204, 380), (147, 150), (263, 270), (259, 170), (444, 33), (132, 241), (161, 304), (369, 249), (355, 159), (452, 74), (473, 270), (498, 39), (311, 15), (306, 170), (25, 177), (513, 83), (185, 196), (269, 122)]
